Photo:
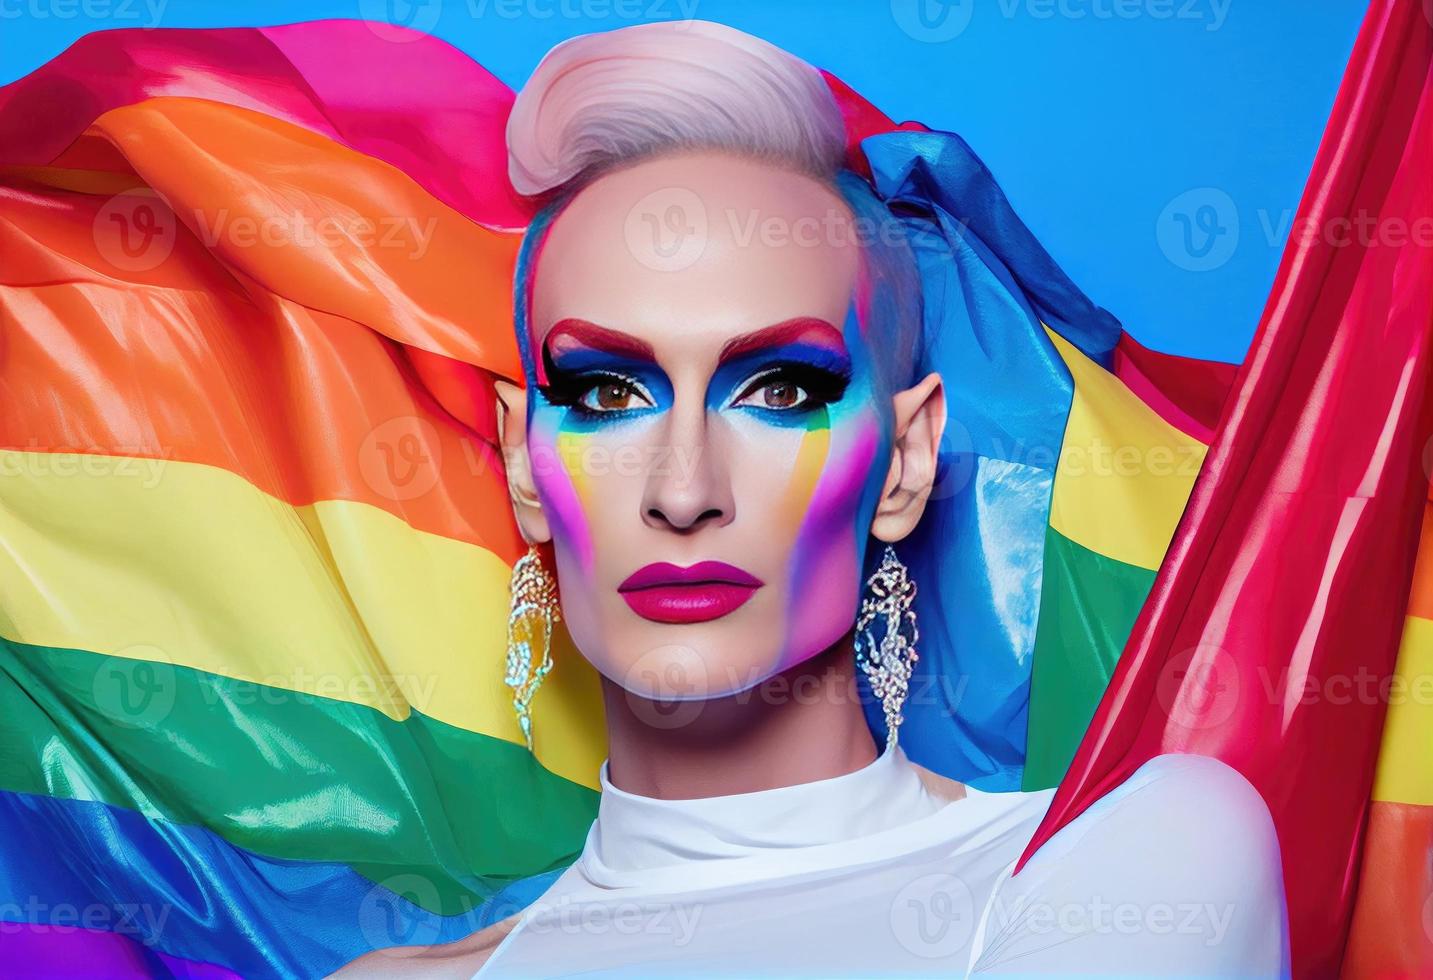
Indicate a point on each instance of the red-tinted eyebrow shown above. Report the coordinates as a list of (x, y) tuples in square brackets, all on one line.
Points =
[(598, 338), (809, 329)]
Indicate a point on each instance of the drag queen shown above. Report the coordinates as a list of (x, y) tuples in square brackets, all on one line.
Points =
[(728, 436)]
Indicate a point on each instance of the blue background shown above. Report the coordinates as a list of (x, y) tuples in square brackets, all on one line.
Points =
[(1157, 147)]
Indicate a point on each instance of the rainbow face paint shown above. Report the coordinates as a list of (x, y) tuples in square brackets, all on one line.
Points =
[(708, 445), (831, 498), (793, 411)]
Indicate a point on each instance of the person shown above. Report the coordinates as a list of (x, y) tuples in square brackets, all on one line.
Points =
[(728, 435)]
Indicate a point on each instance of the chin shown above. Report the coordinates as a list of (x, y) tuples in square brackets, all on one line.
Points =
[(688, 663), (697, 662)]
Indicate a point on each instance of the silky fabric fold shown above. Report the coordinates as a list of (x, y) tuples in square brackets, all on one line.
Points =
[(1272, 633)]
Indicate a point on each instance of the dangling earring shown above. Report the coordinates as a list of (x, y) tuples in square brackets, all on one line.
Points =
[(890, 597), (534, 610)]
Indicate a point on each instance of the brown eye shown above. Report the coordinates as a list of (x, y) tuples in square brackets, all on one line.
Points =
[(781, 394), (792, 388), (777, 394), (613, 395)]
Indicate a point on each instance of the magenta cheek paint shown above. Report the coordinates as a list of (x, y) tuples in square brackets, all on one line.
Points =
[(825, 565), (556, 458), (564, 492), (558, 473)]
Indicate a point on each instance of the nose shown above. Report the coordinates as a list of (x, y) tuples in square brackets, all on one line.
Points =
[(688, 486)]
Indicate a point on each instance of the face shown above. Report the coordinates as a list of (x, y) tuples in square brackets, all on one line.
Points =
[(706, 440)]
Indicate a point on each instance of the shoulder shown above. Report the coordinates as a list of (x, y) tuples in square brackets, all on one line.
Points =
[(1176, 870), (1179, 818), (1179, 774), (1209, 801), (459, 960)]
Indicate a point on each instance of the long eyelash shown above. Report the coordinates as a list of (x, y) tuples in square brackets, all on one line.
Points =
[(567, 389), (822, 385)]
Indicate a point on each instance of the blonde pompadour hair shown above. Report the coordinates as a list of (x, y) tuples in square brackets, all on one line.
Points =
[(602, 100)]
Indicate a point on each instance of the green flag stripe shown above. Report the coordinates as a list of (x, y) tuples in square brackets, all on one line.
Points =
[(286, 774), (1088, 604)]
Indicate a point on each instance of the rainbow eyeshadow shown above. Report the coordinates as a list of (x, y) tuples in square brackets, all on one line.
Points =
[(832, 492), (797, 389)]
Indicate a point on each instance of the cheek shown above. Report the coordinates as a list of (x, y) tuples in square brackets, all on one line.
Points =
[(832, 496), (812, 455), (564, 487), (585, 481), (558, 474)]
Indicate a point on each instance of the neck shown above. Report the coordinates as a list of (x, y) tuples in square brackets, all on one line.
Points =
[(799, 726)]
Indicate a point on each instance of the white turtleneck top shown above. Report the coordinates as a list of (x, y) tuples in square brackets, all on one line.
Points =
[(871, 874)]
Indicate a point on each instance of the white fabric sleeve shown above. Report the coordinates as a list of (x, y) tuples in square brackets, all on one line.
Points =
[(1174, 873)]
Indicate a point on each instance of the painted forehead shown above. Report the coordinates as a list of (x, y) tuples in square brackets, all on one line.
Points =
[(877, 315)]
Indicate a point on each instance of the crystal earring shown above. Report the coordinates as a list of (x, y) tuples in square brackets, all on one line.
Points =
[(534, 610), (890, 596)]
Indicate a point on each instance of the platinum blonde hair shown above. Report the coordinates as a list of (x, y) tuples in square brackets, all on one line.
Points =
[(600, 101)]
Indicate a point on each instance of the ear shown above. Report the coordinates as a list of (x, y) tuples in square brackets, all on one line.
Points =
[(512, 433), (919, 421)]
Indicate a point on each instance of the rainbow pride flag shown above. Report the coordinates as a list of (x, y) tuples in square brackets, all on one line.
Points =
[(1129, 458), (255, 538)]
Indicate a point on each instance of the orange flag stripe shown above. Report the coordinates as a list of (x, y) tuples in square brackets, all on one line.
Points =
[(1420, 596), (426, 275), (282, 384), (387, 446), (1392, 931)]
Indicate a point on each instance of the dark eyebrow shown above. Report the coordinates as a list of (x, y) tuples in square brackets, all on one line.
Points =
[(807, 328), (598, 338)]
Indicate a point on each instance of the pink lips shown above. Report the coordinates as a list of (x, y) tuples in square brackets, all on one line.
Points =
[(666, 593)]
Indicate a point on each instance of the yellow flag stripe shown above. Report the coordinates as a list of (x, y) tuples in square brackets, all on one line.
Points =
[(1124, 473), (192, 565), (1405, 774)]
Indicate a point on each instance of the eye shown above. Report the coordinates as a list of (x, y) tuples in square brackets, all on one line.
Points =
[(792, 388), (777, 393), (613, 394)]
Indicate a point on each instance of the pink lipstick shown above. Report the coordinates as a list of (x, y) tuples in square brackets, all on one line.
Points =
[(666, 593)]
